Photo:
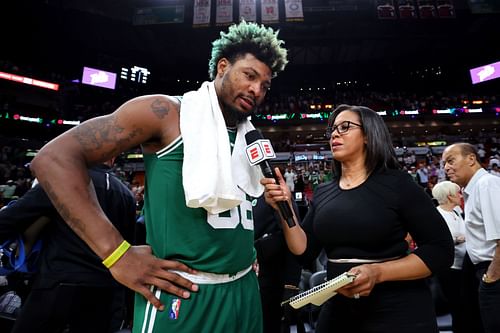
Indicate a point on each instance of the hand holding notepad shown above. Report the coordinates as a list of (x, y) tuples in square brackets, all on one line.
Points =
[(321, 293)]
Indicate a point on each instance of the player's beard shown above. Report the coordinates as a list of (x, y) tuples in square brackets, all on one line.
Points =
[(237, 115), (241, 116)]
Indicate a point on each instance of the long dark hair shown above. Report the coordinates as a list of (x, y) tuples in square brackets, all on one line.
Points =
[(380, 154)]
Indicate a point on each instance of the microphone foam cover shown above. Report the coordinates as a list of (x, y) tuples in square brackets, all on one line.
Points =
[(253, 136)]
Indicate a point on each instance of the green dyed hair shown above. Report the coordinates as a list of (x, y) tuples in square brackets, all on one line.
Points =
[(243, 38)]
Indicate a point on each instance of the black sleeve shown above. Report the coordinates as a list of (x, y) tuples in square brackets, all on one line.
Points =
[(17, 217), (131, 223), (426, 226), (116, 200)]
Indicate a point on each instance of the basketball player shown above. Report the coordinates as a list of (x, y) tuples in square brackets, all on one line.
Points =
[(198, 265)]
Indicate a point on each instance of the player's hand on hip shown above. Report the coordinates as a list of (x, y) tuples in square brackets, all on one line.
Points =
[(138, 270)]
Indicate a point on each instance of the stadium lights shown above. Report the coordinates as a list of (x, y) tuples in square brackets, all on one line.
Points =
[(29, 81)]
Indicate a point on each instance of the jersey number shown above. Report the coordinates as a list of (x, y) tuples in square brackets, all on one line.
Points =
[(231, 219)]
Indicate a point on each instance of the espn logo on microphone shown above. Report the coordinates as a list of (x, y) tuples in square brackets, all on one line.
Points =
[(259, 150)]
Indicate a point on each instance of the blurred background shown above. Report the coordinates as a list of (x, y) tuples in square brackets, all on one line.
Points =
[(410, 60)]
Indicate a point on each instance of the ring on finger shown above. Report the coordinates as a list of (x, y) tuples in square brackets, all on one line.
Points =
[(356, 296)]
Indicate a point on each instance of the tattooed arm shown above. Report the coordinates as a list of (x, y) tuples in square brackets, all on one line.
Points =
[(61, 168)]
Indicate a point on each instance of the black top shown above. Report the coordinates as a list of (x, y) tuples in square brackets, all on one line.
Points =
[(65, 257), (372, 220)]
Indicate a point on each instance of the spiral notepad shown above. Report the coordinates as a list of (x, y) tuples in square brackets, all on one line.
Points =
[(321, 293)]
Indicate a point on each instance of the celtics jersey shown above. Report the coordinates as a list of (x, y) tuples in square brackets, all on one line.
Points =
[(221, 243)]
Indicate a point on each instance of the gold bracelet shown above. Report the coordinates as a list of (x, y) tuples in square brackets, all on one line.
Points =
[(117, 254)]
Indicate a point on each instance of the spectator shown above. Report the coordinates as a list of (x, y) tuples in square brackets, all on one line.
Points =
[(449, 198), (290, 178), (72, 290), (495, 170), (8, 191), (482, 232), (422, 174)]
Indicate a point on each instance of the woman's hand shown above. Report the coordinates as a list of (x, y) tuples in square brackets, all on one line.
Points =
[(276, 192), (366, 278), (295, 237)]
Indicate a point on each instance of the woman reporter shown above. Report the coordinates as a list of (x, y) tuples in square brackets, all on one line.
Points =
[(361, 219)]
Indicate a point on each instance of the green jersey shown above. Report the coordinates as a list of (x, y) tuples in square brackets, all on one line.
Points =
[(221, 243)]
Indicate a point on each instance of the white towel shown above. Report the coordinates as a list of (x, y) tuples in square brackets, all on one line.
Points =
[(211, 175)]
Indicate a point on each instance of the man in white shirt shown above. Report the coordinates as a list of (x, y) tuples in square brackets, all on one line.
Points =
[(482, 222), (290, 178)]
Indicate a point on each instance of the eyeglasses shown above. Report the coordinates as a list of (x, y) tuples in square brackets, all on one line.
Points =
[(341, 128)]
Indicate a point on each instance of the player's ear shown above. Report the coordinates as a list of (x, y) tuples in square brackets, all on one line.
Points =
[(222, 65)]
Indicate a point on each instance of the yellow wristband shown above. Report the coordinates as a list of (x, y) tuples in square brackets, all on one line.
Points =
[(116, 255)]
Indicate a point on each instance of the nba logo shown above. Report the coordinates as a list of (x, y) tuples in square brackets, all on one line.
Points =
[(174, 308)]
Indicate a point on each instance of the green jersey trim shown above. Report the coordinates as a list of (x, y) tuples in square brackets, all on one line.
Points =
[(172, 146)]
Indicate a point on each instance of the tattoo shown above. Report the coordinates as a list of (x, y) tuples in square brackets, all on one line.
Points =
[(64, 211), (105, 135), (160, 108)]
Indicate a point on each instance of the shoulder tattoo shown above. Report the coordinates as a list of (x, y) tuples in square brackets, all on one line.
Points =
[(160, 108)]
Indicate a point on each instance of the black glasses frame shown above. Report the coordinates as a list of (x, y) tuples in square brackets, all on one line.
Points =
[(341, 128)]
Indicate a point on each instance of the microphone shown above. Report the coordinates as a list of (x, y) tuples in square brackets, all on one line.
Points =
[(259, 151)]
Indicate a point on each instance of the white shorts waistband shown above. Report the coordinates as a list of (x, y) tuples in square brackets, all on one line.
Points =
[(360, 261), (212, 278)]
